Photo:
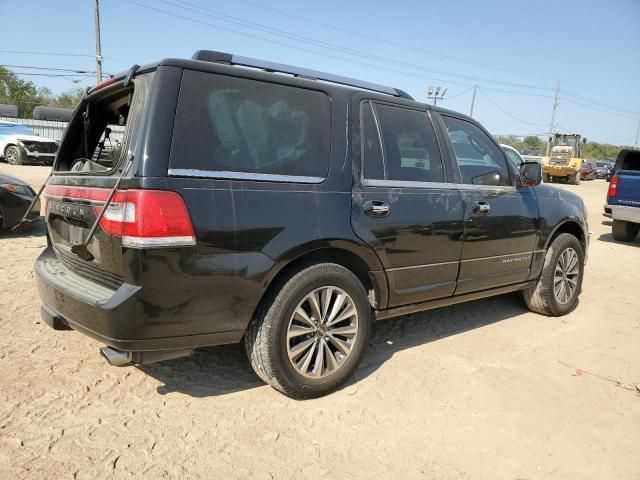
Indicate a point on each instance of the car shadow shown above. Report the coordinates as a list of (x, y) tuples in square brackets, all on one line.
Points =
[(36, 229), (222, 370), (608, 237)]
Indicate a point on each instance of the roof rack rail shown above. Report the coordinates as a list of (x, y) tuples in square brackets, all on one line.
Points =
[(229, 59)]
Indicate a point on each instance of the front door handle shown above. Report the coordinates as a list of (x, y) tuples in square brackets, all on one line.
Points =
[(481, 208), (376, 208)]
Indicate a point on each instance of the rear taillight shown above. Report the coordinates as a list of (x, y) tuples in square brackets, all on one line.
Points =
[(148, 218), (613, 186), (154, 218)]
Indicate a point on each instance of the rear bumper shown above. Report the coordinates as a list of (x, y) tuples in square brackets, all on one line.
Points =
[(113, 317), (625, 213)]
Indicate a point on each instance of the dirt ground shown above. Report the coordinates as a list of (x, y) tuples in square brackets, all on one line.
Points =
[(480, 390)]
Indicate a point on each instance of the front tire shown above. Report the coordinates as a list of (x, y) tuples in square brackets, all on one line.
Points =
[(625, 231), (574, 179), (310, 336), (14, 155), (560, 282)]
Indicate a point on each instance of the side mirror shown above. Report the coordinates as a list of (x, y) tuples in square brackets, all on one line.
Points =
[(550, 139), (584, 139), (530, 174)]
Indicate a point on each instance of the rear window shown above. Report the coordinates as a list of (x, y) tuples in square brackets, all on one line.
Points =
[(233, 125), (107, 129)]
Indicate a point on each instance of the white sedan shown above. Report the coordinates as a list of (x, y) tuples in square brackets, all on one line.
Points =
[(19, 144)]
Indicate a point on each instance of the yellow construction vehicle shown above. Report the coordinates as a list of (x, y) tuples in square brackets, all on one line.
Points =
[(565, 158)]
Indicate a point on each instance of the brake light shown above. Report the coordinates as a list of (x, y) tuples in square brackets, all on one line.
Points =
[(154, 218), (104, 83), (148, 218), (613, 186)]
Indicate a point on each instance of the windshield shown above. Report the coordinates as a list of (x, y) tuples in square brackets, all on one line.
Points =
[(15, 129), (567, 140)]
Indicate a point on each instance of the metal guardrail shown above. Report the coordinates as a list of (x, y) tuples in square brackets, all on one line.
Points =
[(55, 130)]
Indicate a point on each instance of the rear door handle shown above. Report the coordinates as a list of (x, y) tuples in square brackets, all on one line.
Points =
[(376, 208), (481, 208)]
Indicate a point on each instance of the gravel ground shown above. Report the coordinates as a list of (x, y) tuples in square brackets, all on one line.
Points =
[(480, 390)]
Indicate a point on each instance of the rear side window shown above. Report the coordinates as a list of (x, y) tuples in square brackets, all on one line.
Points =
[(410, 148), (480, 160), (226, 124)]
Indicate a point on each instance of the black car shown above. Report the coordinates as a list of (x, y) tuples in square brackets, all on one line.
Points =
[(287, 208), (15, 197)]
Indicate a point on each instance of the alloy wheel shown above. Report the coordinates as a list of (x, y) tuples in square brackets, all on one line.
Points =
[(565, 279), (322, 332), (12, 155)]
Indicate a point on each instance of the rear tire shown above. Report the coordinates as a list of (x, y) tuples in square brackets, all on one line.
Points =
[(14, 155), (547, 296), (574, 179), (276, 338), (625, 231)]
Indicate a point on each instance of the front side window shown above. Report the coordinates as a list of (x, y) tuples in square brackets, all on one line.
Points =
[(410, 148), (229, 124), (480, 160)]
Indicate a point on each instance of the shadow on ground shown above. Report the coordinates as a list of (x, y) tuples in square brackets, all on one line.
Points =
[(37, 229), (222, 370), (608, 237)]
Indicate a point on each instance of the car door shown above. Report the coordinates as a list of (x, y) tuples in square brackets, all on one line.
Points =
[(500, 220), (405, 204)]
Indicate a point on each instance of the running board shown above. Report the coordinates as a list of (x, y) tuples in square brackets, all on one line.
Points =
[(445, 302)]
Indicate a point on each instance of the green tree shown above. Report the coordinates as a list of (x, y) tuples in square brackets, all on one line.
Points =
[(14, 90), (24, 94), (532, 145)]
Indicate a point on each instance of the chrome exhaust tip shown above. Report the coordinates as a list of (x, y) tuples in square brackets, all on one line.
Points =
[(115, 357)]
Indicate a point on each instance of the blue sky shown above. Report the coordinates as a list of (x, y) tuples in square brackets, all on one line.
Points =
[(515, 51)]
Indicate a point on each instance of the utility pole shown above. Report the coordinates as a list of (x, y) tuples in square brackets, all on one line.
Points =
[(637, 134), (473, 100), (553, 116), (96, 10)]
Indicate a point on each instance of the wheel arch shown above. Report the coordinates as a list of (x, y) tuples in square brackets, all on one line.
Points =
[(571, 226), (357, 258)]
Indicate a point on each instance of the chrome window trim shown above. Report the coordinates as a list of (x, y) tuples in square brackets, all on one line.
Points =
[(255, 177), (435, 185), (408, 184)]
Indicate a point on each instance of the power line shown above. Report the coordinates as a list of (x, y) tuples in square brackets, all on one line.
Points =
[(459, 94), (504, 111), (592, 107), (412, 47), (34, 74), (389, 42), (60, 54), (48, 68), (275, 42), (322, 44), (598, 103), (23, 52)]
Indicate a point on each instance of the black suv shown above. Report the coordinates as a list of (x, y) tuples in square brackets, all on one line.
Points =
[(287, 208)]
